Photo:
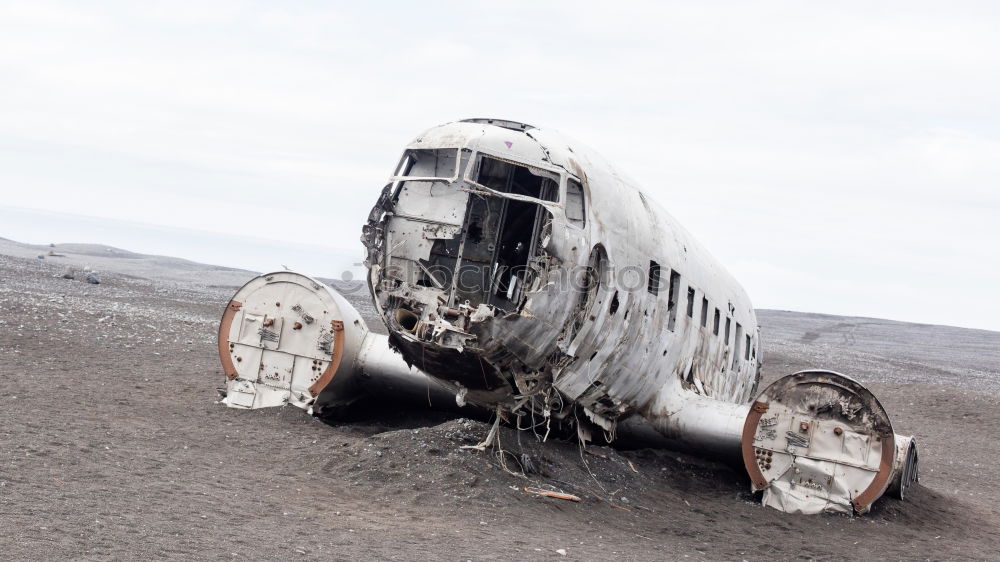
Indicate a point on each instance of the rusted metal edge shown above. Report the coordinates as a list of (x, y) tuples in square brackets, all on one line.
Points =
[(746, 445), (878, 486), (338, 353), (224, 354)]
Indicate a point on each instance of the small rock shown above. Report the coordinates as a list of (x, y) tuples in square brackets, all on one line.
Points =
[(68, 273), (93, 278), (561, 551), (41, 256)]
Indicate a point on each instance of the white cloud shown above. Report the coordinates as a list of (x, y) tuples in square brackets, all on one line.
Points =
[(839, 157)]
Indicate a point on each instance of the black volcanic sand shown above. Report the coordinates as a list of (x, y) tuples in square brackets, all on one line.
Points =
[(113, 446)]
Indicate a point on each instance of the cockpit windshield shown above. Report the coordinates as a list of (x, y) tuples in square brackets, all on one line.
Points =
[(507, 177), (437, 163)]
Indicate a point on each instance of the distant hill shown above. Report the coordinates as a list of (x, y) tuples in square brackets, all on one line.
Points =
[(835, 341), (109, 259)]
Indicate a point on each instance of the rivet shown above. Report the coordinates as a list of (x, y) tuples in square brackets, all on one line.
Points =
[(838, 431), (804, 426)]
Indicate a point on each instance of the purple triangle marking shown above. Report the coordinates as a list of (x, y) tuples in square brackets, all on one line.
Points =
[(508, 143)]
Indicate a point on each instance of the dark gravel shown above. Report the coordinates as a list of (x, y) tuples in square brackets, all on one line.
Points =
[(112, 446)]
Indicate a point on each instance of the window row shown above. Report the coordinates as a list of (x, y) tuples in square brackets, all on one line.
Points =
[(743, 343)]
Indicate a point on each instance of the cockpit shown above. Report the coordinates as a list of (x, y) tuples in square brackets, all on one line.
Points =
[(470, 225)]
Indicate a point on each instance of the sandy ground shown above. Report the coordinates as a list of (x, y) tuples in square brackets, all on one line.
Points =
[(113, 446)]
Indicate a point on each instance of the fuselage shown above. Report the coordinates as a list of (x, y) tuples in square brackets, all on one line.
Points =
[(527, 273), (518, 271)]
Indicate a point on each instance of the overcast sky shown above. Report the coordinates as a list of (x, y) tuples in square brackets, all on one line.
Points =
[(838, 157)]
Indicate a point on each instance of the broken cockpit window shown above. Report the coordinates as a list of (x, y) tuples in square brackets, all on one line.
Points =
[(507, 177), (438, 163), (421, 169)]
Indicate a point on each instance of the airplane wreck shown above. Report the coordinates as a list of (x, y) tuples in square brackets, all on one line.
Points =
[(517, 271)]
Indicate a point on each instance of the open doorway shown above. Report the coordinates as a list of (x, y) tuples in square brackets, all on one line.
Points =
[(501, 234)]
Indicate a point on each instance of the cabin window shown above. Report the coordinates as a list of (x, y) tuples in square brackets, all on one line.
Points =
[(736, 342), (690, 302), (728, 320), (653, 284), (715, 323), (746, 352), (704, 312), (575, 211), (675, 287)]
